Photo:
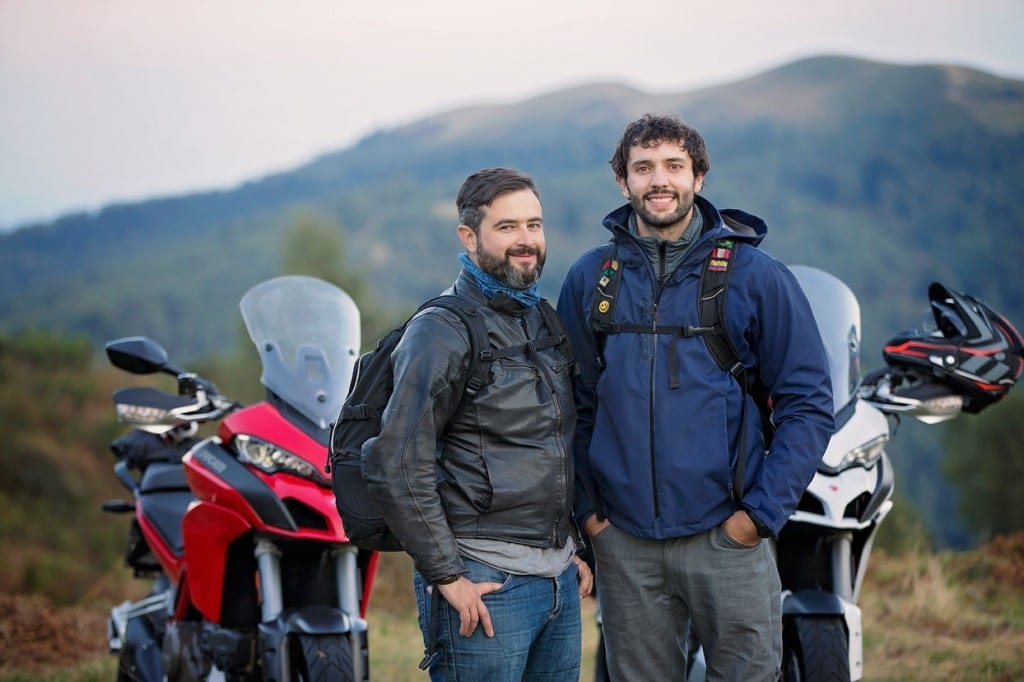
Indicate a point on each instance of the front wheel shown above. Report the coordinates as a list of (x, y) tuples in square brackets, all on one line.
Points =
[(815, 648), (322, 658)]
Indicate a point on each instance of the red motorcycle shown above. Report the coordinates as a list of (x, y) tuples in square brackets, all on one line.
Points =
[(253, 575)]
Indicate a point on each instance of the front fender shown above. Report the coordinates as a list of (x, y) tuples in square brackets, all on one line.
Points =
[(318, 620), (812, 603), (817, 603), (310, 620)]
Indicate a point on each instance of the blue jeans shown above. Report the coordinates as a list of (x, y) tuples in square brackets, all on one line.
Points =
[(536, 630)]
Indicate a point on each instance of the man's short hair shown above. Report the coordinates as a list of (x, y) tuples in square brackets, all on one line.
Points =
[(483, 187), (652, 130)]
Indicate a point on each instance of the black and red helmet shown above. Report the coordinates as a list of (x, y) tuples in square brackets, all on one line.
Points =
[(974, 349)]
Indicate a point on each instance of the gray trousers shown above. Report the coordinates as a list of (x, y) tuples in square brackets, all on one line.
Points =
[(652, 591)]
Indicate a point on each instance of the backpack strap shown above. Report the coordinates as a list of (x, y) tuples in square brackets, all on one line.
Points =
[(714, 284), (480, 351), (430, 652), (608, 281), (556, 335), (602, 308)]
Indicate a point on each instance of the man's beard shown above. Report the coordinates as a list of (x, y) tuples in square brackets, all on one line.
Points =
[(501, 268), (657, 222)]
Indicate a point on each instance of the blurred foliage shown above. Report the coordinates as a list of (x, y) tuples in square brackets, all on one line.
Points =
[(314, 245), (985, 462), (57, 419), (903, 531)]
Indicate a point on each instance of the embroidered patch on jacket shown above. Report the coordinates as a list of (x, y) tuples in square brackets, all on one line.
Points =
[(718, 264)]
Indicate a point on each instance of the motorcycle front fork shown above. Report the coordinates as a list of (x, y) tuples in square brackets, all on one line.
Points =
[(842, 565), (346, 571)]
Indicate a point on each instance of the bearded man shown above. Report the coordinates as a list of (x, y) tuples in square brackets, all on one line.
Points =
[(478, 485)]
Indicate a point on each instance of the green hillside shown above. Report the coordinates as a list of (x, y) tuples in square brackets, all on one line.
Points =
[(887, 176)]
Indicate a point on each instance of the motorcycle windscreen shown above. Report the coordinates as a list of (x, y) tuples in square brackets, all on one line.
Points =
[(307, 333), (837, 313)]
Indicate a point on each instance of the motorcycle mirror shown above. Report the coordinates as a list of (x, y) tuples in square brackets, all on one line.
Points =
[(139, 355)]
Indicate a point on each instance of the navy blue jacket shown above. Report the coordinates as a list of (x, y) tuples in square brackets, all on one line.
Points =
[(661, 460)]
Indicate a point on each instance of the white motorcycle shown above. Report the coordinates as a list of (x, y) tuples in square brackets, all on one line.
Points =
[(967, 360), (823, 550)]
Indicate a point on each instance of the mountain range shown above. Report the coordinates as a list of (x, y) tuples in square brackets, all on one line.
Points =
[(889, 176)]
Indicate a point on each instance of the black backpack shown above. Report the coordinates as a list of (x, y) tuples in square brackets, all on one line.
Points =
[(371, 388), (714, 285)]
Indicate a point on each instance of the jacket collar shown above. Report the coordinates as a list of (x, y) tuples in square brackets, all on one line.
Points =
[(465, 285), (727, 223)]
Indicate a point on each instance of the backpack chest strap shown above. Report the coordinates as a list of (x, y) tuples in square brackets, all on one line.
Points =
[(714, 335)]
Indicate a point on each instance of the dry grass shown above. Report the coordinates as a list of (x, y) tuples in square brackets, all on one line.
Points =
[(948, 616)]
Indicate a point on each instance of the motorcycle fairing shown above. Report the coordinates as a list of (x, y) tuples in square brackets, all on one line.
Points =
[(265, 422), (311, 507), (866, 423), (159, 517), (215, 474), (839, 498), (163, 498), (209, 529), (303, 496)]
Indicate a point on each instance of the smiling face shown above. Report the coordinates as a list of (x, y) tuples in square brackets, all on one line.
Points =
[(660, 184), (509, 244)]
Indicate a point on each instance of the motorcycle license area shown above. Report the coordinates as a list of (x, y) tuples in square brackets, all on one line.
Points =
[(254, 500)]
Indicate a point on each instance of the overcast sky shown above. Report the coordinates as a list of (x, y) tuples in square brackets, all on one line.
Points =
[(109, 100)]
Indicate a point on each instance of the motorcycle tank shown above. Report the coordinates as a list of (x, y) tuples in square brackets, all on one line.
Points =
[(307, 333), (837, 313)]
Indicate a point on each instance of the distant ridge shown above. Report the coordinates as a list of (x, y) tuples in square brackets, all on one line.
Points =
[(931, 151)]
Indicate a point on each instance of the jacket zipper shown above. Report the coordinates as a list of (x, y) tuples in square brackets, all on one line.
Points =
[(657, 287)]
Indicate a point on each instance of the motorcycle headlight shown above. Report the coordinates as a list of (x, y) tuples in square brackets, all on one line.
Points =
[(271, 459), (864, 455)]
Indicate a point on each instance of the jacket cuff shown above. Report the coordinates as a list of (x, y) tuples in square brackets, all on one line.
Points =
[(435, 575), (763, 529)]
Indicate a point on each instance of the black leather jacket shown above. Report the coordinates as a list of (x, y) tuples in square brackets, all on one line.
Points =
[(498, 466)]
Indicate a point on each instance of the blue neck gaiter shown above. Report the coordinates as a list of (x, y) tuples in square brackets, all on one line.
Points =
[(491, 286)]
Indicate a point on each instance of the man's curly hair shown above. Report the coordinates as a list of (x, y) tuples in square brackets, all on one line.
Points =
[(651, 130)]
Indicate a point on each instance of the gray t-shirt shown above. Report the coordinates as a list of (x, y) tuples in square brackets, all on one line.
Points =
[(519, 559)]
